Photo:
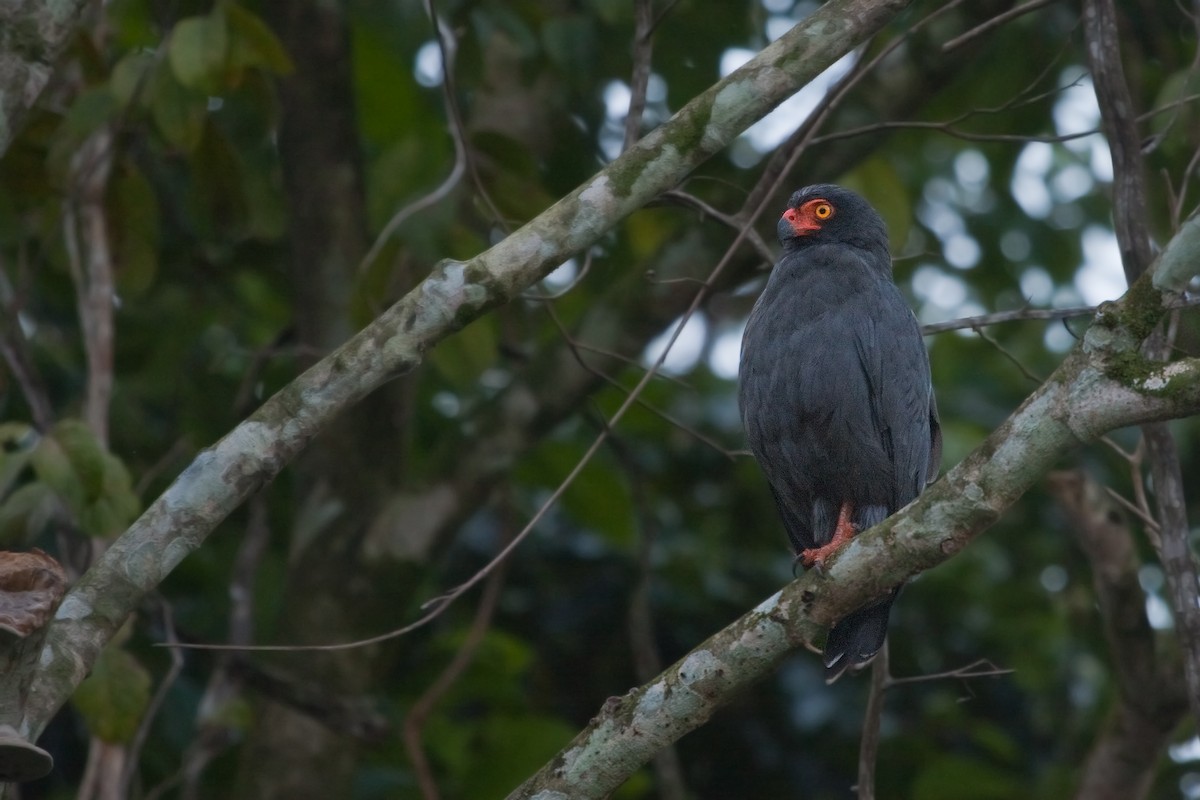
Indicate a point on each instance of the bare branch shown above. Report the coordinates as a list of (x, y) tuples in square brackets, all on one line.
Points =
[(1178, 560), (976, 669), (583, 271), (1147, 519), (1021, 314), (447, 49), (1120, 128), (788, 154), (1004, 351), (155, 706), (647, 662), (948, 126), (86, 224), (993, 23), (1150, 699), (414, 722), (643, 47), (14, 348), (691, 201), (868, 750), (1024, 314)]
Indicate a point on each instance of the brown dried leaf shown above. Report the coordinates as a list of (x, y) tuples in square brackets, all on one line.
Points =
[(31, 586)]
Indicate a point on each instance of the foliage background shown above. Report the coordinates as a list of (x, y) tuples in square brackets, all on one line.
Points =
[(247, 158)]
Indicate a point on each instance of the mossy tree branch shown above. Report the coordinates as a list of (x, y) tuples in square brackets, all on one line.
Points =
[(32, 35)]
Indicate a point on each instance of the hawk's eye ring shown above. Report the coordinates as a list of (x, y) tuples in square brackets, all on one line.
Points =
[(823, 211)]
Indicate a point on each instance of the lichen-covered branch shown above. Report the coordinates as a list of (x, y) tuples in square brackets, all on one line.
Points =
[(454, 294), (32, 34), (1104, 384)]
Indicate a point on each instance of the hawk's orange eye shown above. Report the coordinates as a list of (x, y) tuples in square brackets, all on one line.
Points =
[(823, 211)]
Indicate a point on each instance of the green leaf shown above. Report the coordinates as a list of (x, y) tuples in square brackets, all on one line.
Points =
[(91, 109), (85, 453), (119, 500), (89, 480), (219, 191), (570, 42), (24, 513), (131, 24), (132, 77), (253, 44), (944, 779), (17, 442), (135, 226), (53, 468), (199, 50), (113, 698), (178, 111)]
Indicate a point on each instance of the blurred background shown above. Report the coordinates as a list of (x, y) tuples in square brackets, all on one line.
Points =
[(211, 197)]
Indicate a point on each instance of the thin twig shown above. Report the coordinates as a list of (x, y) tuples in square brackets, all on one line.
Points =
[(414, 721), (156, 702), (629, 361), (982, 334), (574, 347), (868, 749), (647, 662), (1140, 508), (178, 448), (542, 294), (982, 668), (447, 47), (643, 47), (947, 127), (1133, 508), (1177, 202), (662, 15), (692, 201), (244, 573), (1024, 314), (15, 350), (788, 154), (86, 224), (1139, 491), (993, 23)]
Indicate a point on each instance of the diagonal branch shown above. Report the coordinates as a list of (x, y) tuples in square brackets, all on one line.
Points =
[(1120, 128), (455, 293)]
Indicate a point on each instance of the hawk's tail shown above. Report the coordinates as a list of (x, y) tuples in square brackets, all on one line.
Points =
[(855, 640)]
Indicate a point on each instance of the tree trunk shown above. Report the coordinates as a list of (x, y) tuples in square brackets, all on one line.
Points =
[(351, 469)]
